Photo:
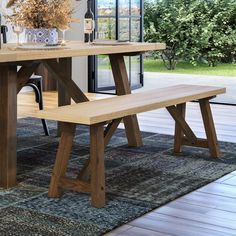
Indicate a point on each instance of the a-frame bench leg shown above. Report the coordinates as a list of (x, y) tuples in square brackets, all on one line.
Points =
[(209, 127), (97, 165), (85, 173), (62, 158), (185, 136), (179, 134)]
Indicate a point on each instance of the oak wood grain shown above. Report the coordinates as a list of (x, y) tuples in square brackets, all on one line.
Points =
[(25, 73), (9, 52), (64, 97), (8, 117), (97, 165), (110, 130), (178, 131), (122, 88), (177, 116), (120, 106), (63, 75), (62, 159), (209, 127)]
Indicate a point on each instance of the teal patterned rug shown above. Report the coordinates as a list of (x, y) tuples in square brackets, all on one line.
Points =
[(137, 181)]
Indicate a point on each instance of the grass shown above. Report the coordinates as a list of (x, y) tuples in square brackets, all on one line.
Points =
[(151, 65)]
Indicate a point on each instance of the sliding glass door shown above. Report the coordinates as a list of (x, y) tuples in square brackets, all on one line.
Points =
[(116, 20)]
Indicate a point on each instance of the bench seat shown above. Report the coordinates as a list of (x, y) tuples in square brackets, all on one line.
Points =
[(93, 112), (103, 116)]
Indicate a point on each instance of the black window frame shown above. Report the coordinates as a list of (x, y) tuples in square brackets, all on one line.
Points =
[(92, 60)]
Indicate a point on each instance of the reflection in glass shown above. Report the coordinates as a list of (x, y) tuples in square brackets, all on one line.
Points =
[(105, 77), (106, 8), (106, 28), (135, 8), (127, 65), (124, 28), (124, 8), (135, 30), (127, 27), (135, 70)]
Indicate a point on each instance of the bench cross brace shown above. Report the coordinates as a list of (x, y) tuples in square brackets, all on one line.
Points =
[(108, 133), (184, 134)]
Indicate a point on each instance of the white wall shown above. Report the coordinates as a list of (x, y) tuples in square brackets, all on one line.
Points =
[(4, 11), (79, 74)]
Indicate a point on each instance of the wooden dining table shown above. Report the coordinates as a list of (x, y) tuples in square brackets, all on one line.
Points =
[(58, 61)]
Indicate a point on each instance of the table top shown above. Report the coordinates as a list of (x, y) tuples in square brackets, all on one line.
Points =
[(9, 52)]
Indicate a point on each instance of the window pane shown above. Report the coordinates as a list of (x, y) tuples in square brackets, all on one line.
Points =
[(105, 77), (106, 8), (106, 28), (135, 70), (135, 8), (135, 30), (124, 28), (124, 7)]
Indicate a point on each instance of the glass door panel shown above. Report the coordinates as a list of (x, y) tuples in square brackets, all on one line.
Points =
[(106, 8), (106, 28), (135, 67), (116, 19), (135, 30), (135, 8), (123, 8), (105, 77), (124, 29)]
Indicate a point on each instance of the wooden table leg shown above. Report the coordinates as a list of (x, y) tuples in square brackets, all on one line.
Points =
[(122, 87), (63, 96), (62, 72), (8, 119)]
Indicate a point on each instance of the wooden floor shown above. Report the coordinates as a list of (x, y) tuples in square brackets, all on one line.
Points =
[(210, 210)]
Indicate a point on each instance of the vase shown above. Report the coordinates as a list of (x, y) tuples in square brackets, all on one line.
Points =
[(42, 35)]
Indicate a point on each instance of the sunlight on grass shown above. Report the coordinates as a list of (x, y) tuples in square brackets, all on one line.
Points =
[(151, 65)]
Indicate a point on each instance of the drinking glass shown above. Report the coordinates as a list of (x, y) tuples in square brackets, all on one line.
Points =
[(63, 30), (17, 29)]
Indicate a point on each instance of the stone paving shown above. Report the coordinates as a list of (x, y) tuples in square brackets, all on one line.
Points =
[(158, 80)]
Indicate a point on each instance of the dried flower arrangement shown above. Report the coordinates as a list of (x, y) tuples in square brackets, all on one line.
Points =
[(41, 13)]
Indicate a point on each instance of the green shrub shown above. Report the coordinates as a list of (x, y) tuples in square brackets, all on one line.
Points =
[(194, 30)]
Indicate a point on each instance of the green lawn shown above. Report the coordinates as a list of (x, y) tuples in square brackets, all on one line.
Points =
[(151, 65)]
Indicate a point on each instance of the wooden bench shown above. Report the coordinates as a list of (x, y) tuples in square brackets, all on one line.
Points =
[(103, 117)]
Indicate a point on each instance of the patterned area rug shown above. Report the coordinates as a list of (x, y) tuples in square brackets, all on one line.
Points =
[(137, 179)]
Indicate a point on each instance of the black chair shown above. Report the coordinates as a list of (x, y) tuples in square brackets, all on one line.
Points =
[(35, 82)]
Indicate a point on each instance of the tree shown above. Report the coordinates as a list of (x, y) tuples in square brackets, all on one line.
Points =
[(194, 30)]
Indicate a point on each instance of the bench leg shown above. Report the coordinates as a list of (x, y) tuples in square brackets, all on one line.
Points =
[(179, 134), (97, 165), (209, 127), (85, 173), (62, 158), (110, 130), (183, 125)]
